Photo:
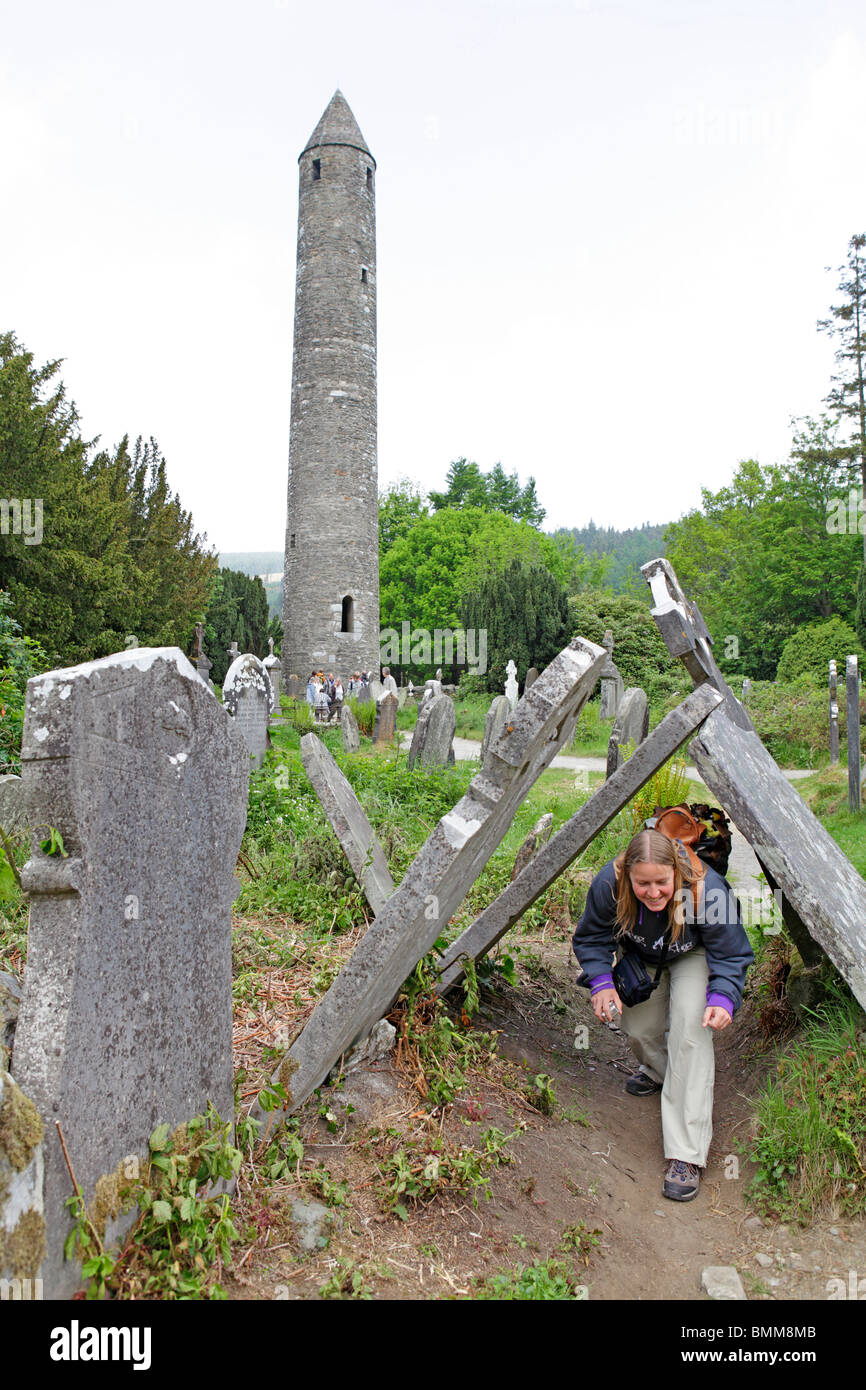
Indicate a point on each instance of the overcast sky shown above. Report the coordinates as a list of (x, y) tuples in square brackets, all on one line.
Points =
[(603, 232)]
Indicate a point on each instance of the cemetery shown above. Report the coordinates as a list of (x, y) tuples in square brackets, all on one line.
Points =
[(289, 1008)]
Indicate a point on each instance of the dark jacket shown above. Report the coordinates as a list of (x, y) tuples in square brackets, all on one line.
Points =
[(716, 926)]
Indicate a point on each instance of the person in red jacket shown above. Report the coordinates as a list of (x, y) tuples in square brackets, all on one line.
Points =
[(653, 901)]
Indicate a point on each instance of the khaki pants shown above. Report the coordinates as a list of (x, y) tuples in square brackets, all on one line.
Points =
[(671, 1046)]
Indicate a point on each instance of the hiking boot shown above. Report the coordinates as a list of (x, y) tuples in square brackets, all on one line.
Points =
[(682, 1180), (642, 1085)]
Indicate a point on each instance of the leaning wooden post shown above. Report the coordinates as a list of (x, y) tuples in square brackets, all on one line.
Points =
[(852, 687), (834, 717)]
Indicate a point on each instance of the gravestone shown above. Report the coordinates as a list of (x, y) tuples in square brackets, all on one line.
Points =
[(375, 691), (573, 837), (497, 717), (531, 678), (630, 726), (747, 690), (22, 1206), (271, 664), (386, 720), (350, 732), (538, 835), (13, 812), (348, 821), (834, 718), (442, 873), (511, 684), (611, 681), (852, 702), (433, 735), (293, 688), (126, 1019), (249, 698)]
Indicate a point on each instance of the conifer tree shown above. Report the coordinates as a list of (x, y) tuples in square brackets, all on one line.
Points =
[(848, 323)]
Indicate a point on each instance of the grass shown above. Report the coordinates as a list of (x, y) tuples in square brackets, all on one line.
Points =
[(810, 1135)]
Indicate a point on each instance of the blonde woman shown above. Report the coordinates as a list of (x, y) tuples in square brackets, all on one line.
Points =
[(682, 921)]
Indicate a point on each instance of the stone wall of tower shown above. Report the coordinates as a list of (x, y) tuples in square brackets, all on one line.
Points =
[(331, 579)]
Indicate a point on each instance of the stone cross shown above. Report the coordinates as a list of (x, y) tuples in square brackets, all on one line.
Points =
[(126, 1019), (611, 681), (199, 639), (511, 689), (442, 873)]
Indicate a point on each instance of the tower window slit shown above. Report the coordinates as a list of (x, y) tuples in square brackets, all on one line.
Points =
[(348, 617), (317, 169), (292, 541), (369, 180), (363, 275)]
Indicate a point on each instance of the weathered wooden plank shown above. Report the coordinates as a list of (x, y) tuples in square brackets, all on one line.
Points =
[(576, 834), (824, 888)]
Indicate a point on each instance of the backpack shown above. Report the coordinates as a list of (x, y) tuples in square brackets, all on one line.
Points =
[(704, 830)]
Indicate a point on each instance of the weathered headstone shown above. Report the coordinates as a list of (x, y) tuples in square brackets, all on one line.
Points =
[(386, 720), (351, 734), (443, 872), (13, 812), (22, 1209), (834, 716), (375, 691), (349, 823), (511, 689), (497, 717), (747, 690), (852, 701), (611, 681), (630, 726), (126, 1020), (538, 835), (433, 734), (575, 835), (249, 698), (531, 678)]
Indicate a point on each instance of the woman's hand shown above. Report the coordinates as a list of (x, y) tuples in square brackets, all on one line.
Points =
[(716, 1017), (602, 1002)]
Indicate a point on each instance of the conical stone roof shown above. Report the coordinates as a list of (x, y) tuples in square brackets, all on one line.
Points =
[(337, 127)]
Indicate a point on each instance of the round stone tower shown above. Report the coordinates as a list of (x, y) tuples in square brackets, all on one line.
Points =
[(331, 577)]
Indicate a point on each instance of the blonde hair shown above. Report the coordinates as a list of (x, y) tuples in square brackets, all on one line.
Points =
[(651, 847)]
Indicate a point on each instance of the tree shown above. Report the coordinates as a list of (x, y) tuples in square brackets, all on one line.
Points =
[(848, 323), (467, 486), (760, 557), (424, 575), (400, 506), (115, 553), (524, 611), (237, 612)]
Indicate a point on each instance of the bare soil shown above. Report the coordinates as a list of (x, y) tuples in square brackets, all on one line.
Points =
[(595, 1164)]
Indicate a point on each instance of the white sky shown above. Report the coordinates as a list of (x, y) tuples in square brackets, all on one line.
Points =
[(603, 231)]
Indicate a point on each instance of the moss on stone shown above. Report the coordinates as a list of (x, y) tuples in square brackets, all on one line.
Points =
[(20, 1126), (285, 1074), (23, 1248)]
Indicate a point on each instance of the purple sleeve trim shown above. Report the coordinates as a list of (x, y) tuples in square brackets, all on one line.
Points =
[(720, 1001), (600, 982)]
